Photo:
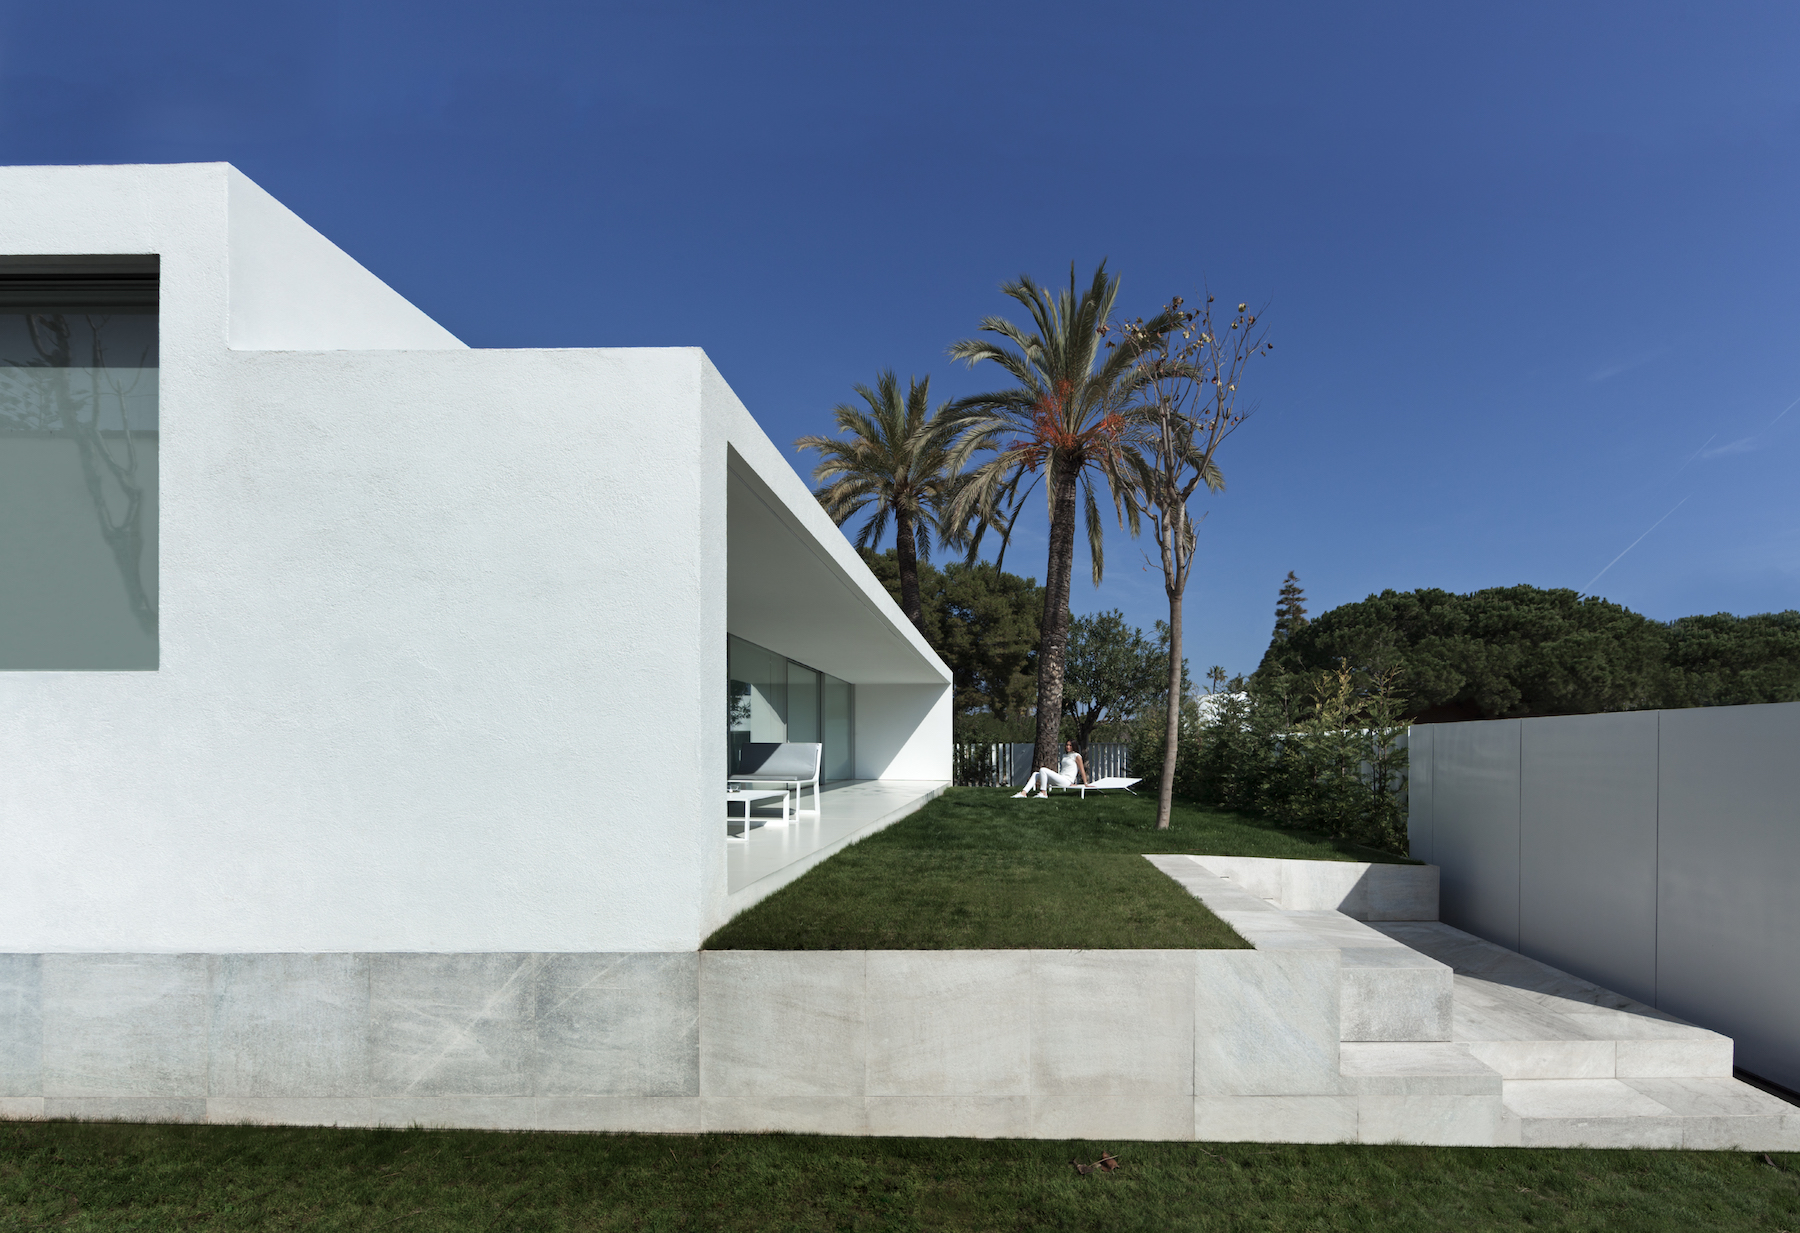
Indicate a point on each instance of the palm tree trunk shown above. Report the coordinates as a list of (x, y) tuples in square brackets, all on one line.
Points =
[(1054, 643), (906, 552), (1165, 793)]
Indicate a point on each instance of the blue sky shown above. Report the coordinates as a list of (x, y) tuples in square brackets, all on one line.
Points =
[(1533, 270)]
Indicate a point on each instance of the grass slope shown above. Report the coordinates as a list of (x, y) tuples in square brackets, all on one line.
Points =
[(86, 1178), (977, 869)]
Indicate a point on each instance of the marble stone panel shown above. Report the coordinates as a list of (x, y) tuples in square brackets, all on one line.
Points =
[(1579, 1098), (782, 1024), (1113, 1023), (21, 1108), (1547, 1059), (617, 1025), (1378, 1068), (1445, 1121), (21, 1026), (1100, 1118), (126, 1027), (949, 1023), (1741, 1134), (1394, 994), (1590, 1113), (125, 1108), (805, 1115), (1260, 879), (1333, 886), (455, 1112), (1275, 1119), (1708, 1056), (450, 1025), (1401, 892), (1650, 1132), (290, 1025), (1512, 1130), (1711, 1097), (638, 1114), (972, 1117), (1266, 1023), (290, 1110)]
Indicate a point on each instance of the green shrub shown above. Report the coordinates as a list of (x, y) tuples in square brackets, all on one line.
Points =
[(1332, 760)]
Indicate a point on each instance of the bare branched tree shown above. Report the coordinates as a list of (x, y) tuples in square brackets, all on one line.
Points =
[(1186, 377)]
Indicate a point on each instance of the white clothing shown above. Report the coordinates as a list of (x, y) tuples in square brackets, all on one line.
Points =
[(1043, 778), (1068, 767)]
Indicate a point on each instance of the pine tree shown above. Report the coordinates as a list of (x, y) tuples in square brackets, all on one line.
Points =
[(1290, 608)]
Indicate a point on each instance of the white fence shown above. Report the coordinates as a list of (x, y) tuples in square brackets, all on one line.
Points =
[(1653, 852), (991, 765)]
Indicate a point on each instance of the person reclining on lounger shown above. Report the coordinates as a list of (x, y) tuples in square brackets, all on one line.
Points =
[(1072, 768)]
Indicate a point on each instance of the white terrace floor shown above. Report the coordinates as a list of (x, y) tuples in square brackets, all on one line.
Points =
[(775, 854)]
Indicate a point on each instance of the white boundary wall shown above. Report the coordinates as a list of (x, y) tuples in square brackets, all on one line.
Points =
[(1652, 852)]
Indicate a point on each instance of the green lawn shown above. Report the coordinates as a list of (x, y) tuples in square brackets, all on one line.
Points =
[(977, 869), (77, 1177)]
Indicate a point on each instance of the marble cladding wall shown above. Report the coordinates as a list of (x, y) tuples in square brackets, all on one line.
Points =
[(1126, 1044)]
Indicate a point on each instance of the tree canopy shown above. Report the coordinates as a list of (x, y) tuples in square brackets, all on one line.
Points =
[(983, 623), (1524, 650), (1113, 671)]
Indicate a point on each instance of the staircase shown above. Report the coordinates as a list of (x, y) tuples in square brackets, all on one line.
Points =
[(1449, 1039)]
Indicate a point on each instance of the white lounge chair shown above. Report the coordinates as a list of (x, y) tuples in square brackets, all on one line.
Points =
[(791, 764), (1112, 783)]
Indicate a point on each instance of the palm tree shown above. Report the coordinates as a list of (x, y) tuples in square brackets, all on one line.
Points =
[(1065, 421), (895, 463)]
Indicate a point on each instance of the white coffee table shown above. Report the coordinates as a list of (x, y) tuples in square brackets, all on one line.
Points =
[(749, 797)]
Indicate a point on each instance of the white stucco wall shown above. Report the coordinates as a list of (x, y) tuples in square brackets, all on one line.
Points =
[(332, 304), (442, 630), (430, 674)]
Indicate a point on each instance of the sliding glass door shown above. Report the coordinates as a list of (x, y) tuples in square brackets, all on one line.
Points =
[(774, 698)]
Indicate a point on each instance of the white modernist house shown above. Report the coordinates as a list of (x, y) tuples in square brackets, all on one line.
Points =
[(323, 634)]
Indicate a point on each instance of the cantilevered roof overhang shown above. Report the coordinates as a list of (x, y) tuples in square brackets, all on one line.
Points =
[(791, 590)]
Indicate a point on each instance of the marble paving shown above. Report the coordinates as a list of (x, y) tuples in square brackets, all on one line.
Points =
[(847, 811), (1522, 1055)]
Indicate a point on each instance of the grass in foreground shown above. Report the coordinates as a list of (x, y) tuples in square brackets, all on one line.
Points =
[(976, 869), (90, 1177)]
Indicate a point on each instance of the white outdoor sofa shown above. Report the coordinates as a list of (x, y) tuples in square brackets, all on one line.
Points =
[(790, 764)]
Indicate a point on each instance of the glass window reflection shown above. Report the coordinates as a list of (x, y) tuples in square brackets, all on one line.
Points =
[(78, 464), (774, 698)]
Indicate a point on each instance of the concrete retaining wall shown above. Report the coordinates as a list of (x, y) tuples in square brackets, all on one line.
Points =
[(1652, 852)]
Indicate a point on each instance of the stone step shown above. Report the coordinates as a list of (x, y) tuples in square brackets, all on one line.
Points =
[(1709, 1114), (1388, 991), (1423, 1068), (1449, 1039), (1530, 1021)]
